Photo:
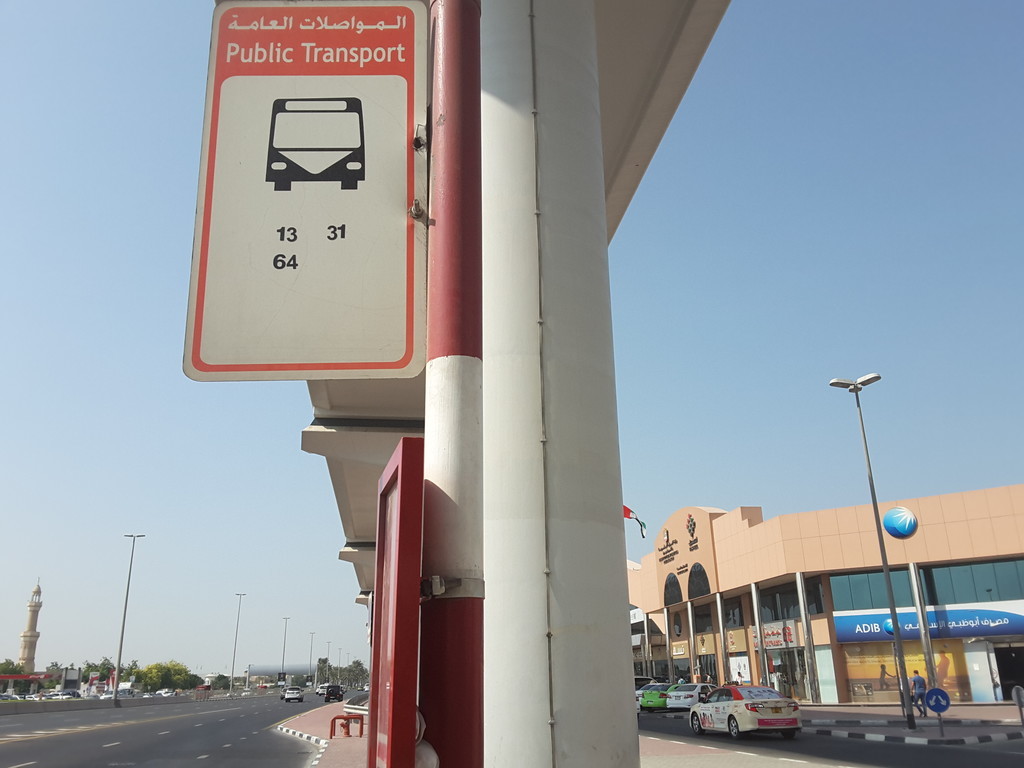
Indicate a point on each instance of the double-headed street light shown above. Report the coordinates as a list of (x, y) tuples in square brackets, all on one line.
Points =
[(124, 615), (901, 663)]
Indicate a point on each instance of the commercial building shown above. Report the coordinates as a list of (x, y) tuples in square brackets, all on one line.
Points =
[(821, 628)]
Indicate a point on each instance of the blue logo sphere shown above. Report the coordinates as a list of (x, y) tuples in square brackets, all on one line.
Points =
[(887, 626), (900, 523)]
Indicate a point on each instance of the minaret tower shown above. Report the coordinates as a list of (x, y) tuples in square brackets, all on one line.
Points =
[(29, 638)]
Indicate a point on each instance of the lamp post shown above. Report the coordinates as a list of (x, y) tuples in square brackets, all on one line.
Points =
[(329, 680), (901, 663), (284, 644), (124, 615), (234, 648), (311, 656)]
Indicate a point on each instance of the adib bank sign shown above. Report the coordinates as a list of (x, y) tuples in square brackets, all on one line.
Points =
[(965, 620)]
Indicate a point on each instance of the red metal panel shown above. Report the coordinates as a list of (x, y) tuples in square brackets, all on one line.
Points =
[(396, 608)]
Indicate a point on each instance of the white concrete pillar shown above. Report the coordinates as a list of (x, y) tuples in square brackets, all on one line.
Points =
[(557, 653)]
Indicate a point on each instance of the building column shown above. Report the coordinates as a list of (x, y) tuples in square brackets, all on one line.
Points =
[(648, 649), (693, 640), (810, 662), (722, 638), (671, 676), (554, 549), (762, 654)]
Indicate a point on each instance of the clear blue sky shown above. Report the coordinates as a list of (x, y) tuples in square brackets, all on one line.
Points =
[(841, 192)]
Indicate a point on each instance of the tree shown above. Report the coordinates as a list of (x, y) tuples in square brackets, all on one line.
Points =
[(101, 667), (220, 682), (355, 675), (169, 674), (10, 667)]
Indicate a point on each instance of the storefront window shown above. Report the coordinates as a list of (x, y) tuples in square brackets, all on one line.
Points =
[(702, 621), (673, 592), (861, 591), (979, 582), (786, 672), (699, 584), (871, 669), (682, 670), (677, 624), (733, 614), (707, 668)]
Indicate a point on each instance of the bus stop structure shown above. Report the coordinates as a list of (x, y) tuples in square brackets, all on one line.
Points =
[(576, 96)]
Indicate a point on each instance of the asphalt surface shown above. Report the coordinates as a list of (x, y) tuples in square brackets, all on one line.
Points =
[(836, 736), (226, 734)]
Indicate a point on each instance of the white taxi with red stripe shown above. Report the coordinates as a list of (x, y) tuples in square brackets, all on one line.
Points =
[(739, 709)]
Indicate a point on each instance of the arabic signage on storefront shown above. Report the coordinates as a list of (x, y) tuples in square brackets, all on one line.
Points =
[(681, 648), (965, 620), (737, 640), (778, 634)]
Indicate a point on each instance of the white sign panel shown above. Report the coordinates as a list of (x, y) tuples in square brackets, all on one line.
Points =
[(307, 264)]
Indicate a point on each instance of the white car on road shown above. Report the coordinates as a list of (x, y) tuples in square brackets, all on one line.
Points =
[(292, 694), (686, 695), (739, 709)]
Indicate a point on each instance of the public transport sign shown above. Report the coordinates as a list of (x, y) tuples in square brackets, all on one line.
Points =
[(307, 263)]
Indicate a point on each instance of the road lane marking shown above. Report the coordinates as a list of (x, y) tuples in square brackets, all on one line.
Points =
[(790, 760), (111, 744), (9, 738), (202, 757), (23, 765), (163, 733)]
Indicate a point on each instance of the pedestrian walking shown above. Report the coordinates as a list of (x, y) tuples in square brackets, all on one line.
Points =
[(917, 689)]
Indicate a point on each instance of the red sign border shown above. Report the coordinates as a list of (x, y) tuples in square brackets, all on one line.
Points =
[(218, 74)]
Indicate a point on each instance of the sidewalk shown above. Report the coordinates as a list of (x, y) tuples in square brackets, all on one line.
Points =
[(962, 724)]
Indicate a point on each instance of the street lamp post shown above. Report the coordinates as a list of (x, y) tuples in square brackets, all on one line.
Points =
[(124, 615), (329, 679), (901, 663), (234, 648), (284, 644), (311, 656)]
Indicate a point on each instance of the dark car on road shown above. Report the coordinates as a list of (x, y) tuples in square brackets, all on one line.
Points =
[(333, 693)]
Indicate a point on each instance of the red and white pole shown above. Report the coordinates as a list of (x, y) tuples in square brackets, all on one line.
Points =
[(451, 630)]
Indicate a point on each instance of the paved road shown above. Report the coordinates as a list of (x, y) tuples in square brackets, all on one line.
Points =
[(225, 734), (668, 742)]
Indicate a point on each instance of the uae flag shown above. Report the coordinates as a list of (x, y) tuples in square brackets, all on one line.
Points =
[(629, 514)]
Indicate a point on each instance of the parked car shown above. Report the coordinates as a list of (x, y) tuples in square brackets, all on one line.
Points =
[(291, 694), (640, 682), (653, 696), (685, 695), (739, 709), (333, 693)]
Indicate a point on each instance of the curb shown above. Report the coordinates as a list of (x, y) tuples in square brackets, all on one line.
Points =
[(961, 740), (322, 743), (299, 734)]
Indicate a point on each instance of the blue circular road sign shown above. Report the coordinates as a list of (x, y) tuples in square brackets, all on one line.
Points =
[(937, 700), (900, 523)]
